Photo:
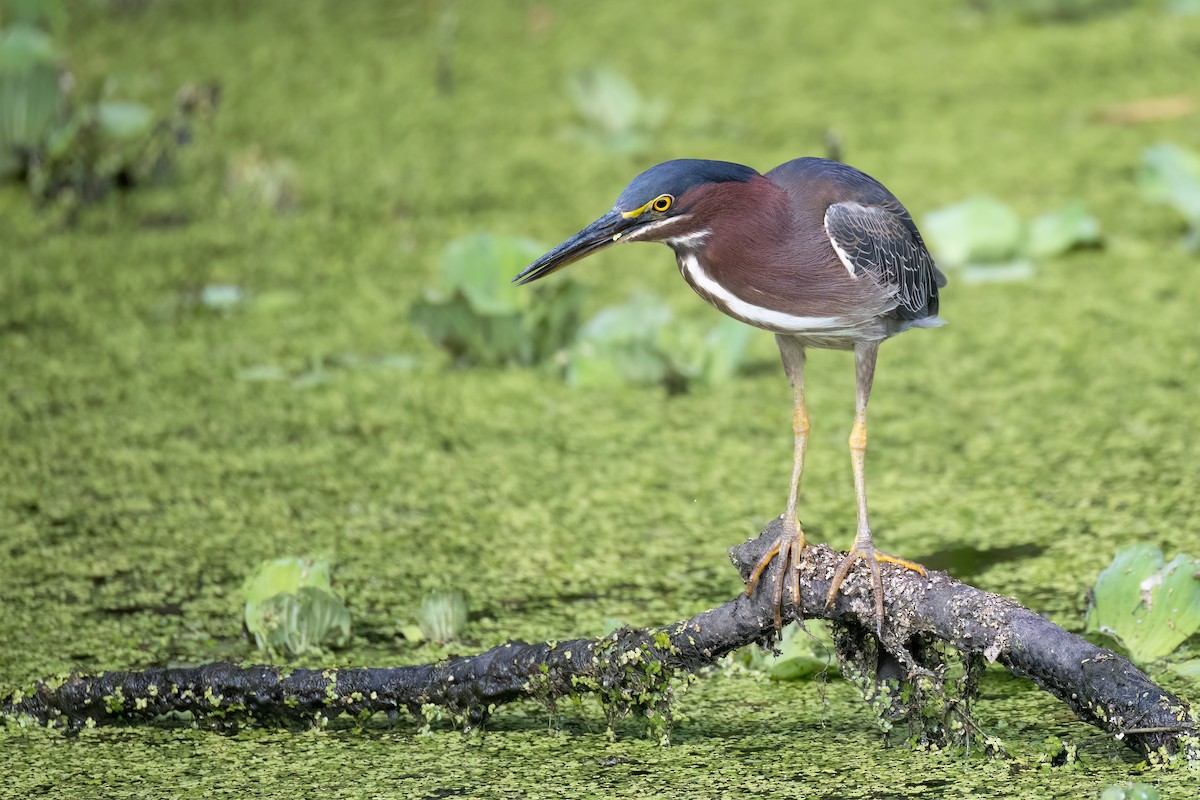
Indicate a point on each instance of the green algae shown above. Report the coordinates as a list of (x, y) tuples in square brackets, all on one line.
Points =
[(143, 480)]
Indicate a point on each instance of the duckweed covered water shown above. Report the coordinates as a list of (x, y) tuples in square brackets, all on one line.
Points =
[(157, 450)]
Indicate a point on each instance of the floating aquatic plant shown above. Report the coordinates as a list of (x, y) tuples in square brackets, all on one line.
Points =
[(640, 343), (1150, 606), (291, 608), (72, 143), (480, 317), (801, 654), (31, 98), (1171, 175), (443, 616), (986, 240)]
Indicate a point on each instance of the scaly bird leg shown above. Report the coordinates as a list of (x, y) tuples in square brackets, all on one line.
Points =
[(791, 541), (864, 548)]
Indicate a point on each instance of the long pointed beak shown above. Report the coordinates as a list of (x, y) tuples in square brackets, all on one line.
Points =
[(597, 236)]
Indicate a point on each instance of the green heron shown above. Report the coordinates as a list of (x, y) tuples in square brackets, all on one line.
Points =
[(815, 251)]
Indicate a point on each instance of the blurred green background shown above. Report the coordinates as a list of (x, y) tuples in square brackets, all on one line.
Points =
[(218, 366)]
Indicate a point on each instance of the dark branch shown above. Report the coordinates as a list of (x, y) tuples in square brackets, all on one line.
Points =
[(631, 669)]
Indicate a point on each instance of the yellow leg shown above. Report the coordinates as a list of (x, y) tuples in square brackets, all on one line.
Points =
[(791, 542), (864, 547)]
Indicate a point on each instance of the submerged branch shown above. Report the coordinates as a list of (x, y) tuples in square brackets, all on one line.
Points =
[(631, 669)]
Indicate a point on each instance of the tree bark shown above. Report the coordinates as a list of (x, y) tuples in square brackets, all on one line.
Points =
[(631, 669)]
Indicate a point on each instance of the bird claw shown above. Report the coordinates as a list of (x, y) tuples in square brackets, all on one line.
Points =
[(788, 547), (866, 551)]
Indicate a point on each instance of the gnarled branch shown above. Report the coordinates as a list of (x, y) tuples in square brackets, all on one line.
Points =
[(628, 667)]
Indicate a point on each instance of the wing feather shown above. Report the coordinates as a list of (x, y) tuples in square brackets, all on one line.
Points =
[(883, 242)]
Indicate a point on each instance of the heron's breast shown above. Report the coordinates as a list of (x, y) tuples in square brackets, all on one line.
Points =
[(837, 328)]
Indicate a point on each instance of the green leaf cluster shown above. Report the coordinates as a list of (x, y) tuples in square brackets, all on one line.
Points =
[(481, 318), (1171, 175), (443, 616), (291, 608), (1150, 606), (31, 99), (641, 343), (58, 143), (987, 240), (802, 654)]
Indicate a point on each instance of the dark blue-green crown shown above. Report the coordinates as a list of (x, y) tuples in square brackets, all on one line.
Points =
[(676, 177)]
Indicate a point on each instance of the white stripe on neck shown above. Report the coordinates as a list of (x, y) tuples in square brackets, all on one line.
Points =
[(684, 240), (756, 315)]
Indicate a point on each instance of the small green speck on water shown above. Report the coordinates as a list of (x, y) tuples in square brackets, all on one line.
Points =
[(1051, 421)]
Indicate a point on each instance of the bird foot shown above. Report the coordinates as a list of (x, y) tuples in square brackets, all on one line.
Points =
[(865, 550), (788, 547)]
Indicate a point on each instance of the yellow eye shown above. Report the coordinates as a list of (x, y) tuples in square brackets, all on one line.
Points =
[(662, 203)]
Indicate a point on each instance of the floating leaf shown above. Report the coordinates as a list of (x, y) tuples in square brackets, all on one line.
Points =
[(477, 314), (1061, 231), (1151, 607), (122, 121), (640, 343), (1183, 8), (24, 46), (987, 241), (802, 654), (980, 229), (482, 267), (1189, 669), (221, 296), (31, 99), (291, 607), (443, 616), (724, 349), (1171, 175), (285, 575), (300, 623), (621, 345)]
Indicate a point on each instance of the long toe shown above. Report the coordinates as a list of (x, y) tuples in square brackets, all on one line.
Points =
[(787, 548), (866, 551)]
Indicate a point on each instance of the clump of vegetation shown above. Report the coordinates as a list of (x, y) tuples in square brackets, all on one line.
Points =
[(31, 97), (633, 678), (932, 697), (291, 608), (443, 616), (1148, 605), (985, 239), (478, 315), (640, 343), (800, 654), (615, 115), (64, 142), (1171, 175), (483, 319)]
